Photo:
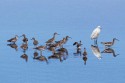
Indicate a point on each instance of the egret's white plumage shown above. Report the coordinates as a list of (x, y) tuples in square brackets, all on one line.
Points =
[(96, 32)]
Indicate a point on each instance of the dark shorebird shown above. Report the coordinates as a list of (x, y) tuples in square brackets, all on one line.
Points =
[(109, 51), (78, 45), (13, 40), (96, 51), (66, 39), (85, 56), (109, 44), (13, 46), (52, 39), (35, 42), (95, 34), (25, 39)]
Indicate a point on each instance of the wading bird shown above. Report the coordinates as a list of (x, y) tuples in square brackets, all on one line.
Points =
[(109, 44), (95, 34), (13, 40)]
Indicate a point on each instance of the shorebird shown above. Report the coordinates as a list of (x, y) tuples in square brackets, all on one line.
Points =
[(52, 39), (78, 45), (35, 42), (40, 48), (13, 40), (109, 44), (25, 40), (95, 34), (66, 39), (96, 51)]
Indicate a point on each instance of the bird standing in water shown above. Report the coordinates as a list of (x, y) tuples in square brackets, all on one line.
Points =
[(35, 42), (109, 44), (25, 39), (50, 41), (13, 40), (95, 34)]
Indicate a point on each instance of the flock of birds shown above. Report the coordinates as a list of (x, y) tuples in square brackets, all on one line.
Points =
[(57, 49)]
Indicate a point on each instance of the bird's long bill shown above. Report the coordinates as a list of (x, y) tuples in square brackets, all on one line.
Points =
[(117, 39)]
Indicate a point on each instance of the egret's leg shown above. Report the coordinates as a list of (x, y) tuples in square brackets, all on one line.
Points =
[(41, 53)]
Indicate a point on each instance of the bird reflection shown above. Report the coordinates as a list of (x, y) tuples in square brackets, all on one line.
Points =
[(24, 56), (13, 46), (64, 52), (109, 51), (84, 56), (57, 55), (35, 54), (96, 51), (40, 58)]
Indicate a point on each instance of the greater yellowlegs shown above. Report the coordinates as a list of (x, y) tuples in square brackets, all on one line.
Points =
[(13, 40), (109, 44)]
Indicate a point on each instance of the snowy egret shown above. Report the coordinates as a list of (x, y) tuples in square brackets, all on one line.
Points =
[(109, 44), (95, 34)]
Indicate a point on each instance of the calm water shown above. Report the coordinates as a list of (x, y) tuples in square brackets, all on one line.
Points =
[(76, 18)]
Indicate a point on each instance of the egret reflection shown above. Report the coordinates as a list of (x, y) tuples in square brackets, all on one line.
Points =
[(96, 51)]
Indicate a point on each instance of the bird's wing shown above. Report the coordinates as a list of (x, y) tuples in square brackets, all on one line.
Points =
[(95, 33)]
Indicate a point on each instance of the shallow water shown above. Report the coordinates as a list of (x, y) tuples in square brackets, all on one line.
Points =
[(77, 19)]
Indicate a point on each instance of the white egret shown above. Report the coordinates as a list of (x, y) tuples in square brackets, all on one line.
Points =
[(95, 34)]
